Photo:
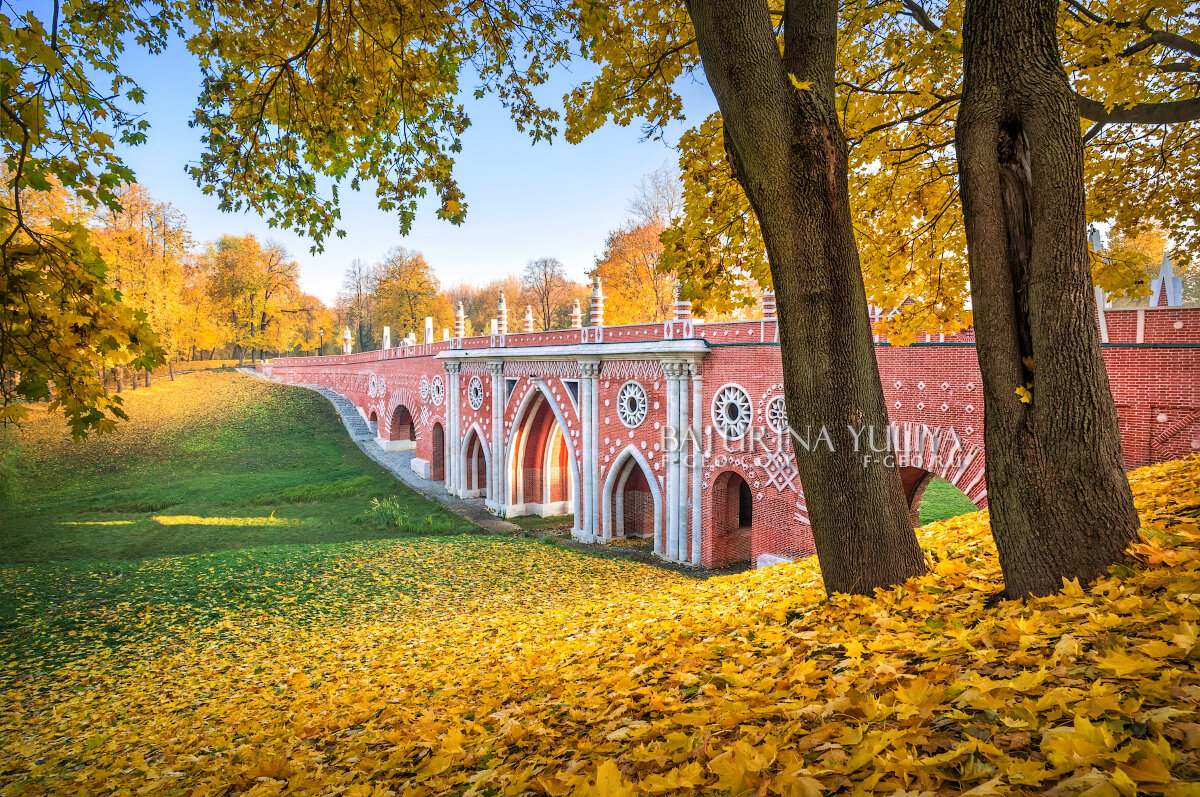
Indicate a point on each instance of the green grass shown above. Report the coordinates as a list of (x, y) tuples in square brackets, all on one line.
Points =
[(942, 501), (224, 494), (534, 523), (214, 462)]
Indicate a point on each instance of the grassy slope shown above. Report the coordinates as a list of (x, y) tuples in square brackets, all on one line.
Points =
[(230, 479), (209, 462)]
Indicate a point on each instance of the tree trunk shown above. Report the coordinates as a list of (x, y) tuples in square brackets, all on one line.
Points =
[(171, 369), (1059, 498), (147, 377), (787, 150)]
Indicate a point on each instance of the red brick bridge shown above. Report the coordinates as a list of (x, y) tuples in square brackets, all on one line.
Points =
[(581, 421)]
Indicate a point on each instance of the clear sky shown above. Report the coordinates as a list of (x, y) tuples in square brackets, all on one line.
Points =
[(524, 201)]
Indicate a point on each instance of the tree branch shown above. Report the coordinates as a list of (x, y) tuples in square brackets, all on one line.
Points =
[(1172, 41), (1187, 65), (918, 12), (1146, 113)]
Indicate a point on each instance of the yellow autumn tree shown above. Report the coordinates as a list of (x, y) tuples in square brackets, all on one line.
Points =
[(145, 243), (406, 292), (251, 285), (636, 290)]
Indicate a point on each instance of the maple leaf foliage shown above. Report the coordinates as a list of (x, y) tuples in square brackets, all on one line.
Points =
[(899, 75)]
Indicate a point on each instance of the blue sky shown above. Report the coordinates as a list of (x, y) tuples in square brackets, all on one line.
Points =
[(525, 201)]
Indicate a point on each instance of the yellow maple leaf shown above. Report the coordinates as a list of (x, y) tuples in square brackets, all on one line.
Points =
[(609, 782), (801, 85), (1121, 664)]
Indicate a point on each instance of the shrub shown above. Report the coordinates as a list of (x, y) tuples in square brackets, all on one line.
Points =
[(389, 513)]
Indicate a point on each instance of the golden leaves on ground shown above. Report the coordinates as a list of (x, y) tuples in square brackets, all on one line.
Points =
[(526, 669)]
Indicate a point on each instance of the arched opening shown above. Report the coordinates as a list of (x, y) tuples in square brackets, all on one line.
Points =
[(931, 498), (437, 457), (632, 506), (732, 519), (402, 430), (474, 466), (373, 422), (542, 480)]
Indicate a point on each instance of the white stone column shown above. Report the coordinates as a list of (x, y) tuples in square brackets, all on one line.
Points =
[(681, 477), (589, 466), (498, 498), (696, 452), (675, 494), (453, 433), (585, 385)]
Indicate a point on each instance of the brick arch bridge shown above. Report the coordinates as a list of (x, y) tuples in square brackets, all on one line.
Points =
[(580, 421)]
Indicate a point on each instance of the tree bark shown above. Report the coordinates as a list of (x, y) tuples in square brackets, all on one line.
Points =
[(787, 150), (1060, 501)]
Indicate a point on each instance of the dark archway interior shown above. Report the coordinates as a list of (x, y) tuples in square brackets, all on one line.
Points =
[(745, 506), (437, 458), (402, 424)]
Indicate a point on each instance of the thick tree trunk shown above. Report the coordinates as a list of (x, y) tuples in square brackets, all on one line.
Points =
[(1060, 502), (787, 150)]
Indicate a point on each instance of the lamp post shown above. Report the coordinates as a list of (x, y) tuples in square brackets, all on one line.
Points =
[(322, 346)]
